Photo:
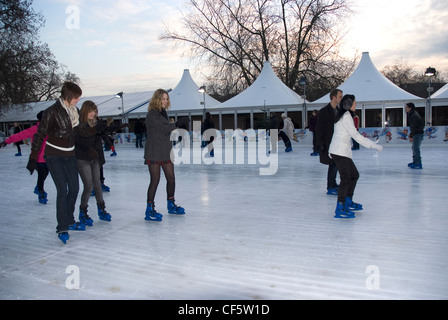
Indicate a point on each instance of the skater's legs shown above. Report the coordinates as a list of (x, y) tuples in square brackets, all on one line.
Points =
[(90, 176), (285, 138), (64, 173), (168, 170), (416, 142), (154, 173), (331, 176), (349, 176), (86, 178), (42, 173), (96, 180)]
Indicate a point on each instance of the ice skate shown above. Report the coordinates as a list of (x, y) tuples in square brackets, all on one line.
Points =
[(84, 218), (103, 214), (342, 211), (353, 206), (77, 226), (63, 236), (173, 208), (42, 197), (36, 191), (151, 214)]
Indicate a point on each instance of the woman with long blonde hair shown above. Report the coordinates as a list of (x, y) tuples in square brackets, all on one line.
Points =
[(158, 154)]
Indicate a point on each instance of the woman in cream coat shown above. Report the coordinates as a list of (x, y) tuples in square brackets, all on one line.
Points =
[(341, 152)]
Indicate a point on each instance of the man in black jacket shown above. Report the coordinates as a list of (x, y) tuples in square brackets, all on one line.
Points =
[(324, 133), (59, 122), (416, 136)]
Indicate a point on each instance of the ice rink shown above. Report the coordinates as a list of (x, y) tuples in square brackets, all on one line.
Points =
[(245, 235)]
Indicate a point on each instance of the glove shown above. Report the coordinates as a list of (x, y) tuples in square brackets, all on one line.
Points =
[(378, 147), (31, 166), (3, 144), (32, 162)]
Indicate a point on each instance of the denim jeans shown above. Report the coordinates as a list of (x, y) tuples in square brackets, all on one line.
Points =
[(64, 172), (89, 170), (138, 140), (416, 142)]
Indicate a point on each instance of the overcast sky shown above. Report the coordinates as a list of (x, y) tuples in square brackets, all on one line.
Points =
[(113, 45)]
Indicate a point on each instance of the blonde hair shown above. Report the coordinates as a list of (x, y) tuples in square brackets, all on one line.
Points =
[(156, 100), (87, 107)]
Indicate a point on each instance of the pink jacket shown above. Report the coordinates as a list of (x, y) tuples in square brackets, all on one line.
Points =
[(25, 134)]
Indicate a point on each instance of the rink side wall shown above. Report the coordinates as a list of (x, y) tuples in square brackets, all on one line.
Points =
[(394, 136)]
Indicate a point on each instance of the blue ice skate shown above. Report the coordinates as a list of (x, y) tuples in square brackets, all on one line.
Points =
[(63, 236), (84, 218), (151, 214), (103, 214), (42, 197), (173, 208), (352, 206), (77, 226), (342, 211)]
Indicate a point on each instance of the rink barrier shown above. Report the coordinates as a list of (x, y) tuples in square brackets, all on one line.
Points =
[(435, 135)]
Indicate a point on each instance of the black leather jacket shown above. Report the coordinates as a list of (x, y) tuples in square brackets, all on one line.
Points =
[(55, 124)]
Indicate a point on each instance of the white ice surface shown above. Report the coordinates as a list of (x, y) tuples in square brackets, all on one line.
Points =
[(244, 236)]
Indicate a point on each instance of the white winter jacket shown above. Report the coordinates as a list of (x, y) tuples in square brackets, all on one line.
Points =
[(344, 131), (288, 127)]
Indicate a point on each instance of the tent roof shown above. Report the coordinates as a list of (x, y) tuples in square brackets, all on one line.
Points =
[(28, 113), (108, 106), (185, 96), (267, 90), (442, 93), (369, 85)]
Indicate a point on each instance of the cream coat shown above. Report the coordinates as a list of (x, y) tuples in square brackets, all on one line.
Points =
[(288, 127), (344, 131)]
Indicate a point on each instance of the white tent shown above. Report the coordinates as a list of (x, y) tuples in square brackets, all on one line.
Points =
[(112, 105), (108, 106), (186, 97), (442, 93), (27, 113), (267, 91), (370, 86)]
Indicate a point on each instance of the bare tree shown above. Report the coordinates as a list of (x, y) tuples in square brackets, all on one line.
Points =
[(28, 69), (235, 37), (411, 80)]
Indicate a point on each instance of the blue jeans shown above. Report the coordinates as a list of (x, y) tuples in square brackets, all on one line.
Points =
[(64, 171), (416, 142)]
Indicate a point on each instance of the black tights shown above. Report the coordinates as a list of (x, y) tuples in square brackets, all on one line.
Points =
[(154, 172)]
